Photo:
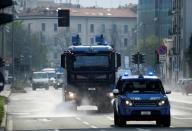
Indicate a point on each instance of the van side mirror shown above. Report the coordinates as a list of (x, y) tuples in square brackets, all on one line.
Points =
[(168, 92), (115, 92), (118, 60)]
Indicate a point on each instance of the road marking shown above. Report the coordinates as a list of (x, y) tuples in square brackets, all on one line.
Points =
[(140, 129), (180, 118), (110, 118), (93, 127), (19, 113), (9, 126), (77, 118), (86, 123), (56, 130)]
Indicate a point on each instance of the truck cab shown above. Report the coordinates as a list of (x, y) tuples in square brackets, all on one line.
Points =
[(90, 73)]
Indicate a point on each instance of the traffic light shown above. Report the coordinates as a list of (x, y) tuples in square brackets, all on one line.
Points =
[(4, 17), (135, 59), (141, 58), (64, 18), (138, 58), (2, 62)]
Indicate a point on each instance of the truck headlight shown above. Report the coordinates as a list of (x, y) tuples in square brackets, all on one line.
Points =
[(162, 102), (71, 95)]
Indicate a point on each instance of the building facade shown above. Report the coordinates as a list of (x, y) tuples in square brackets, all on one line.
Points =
[(153, 19), (181, 35), (115, 24)]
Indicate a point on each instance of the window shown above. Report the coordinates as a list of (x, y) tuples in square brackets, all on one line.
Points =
[(79, 28), (92, 40), (43, 26), (92, 28), (125, 28), (55, 27), (114, 27), (125, 42), (103, 28)]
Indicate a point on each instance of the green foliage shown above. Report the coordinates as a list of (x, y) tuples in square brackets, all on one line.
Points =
[(2, 103), (28, 45), (148, 48)]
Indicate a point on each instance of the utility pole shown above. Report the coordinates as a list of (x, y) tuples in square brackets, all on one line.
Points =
[(13, 49)]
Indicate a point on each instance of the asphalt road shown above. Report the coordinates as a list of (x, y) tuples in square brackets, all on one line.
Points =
[(44, 110)]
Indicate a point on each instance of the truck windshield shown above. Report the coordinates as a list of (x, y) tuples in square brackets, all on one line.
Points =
[(91, 61), (40, 75), (142, 87)]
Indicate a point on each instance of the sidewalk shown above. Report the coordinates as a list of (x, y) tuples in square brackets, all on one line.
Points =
[(179, 97), (6, 92)]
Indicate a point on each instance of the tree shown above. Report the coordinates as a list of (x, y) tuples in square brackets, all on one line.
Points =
[(148, 48), (28, 48)]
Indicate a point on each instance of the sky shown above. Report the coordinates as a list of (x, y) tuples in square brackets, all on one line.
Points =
[(104, 3)]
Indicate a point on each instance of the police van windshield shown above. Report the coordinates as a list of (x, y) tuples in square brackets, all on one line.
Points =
[(142, 87), (91, 61)]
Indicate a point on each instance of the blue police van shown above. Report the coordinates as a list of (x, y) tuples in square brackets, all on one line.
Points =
[(141, 98)]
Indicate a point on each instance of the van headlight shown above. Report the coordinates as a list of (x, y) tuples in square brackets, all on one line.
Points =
[(129, 103), (110, 94), (162, 102)]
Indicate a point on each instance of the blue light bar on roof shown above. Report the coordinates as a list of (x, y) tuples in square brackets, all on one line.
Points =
[(150, 74), (76, 40)]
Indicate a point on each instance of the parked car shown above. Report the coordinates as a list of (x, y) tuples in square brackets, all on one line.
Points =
[(186, 87), (40, 80)]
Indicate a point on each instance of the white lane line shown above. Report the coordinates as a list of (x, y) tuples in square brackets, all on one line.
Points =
[(140, 129), (182, 118), (56, 130), (110, 118), (93, 127), (86, 123), (77, 118)]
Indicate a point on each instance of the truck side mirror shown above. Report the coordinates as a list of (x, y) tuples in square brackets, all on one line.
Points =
[(115, 92), (63, 60), (118, 60)]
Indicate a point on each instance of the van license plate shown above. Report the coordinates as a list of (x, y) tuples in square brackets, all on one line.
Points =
[(91, 89), (145, 113)]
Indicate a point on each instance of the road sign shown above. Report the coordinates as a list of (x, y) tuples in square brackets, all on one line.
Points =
[(162, 58), (162, 50)]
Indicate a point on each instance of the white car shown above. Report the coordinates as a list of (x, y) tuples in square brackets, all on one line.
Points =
[(40, 80)]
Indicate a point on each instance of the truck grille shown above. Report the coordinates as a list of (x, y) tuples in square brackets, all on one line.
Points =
[(145, 102)]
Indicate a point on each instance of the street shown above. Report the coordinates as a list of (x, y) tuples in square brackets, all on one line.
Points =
[(44, 110)]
